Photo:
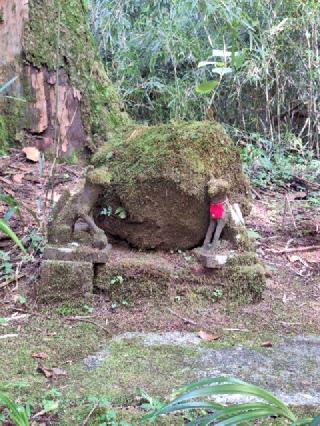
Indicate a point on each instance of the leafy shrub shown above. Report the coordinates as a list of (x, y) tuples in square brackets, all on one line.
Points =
[(265, 406), (152, 50), (18, 414)]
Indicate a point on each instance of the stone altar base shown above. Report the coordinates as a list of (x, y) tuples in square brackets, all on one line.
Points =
[(71, 273), (131, 275)]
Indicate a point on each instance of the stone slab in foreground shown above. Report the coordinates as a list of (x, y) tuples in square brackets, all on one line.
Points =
[(290, 369)]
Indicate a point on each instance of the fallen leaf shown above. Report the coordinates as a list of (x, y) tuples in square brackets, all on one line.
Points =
[(51, 372), (207, 337), (40, 355), (18, 178), (59, 372), (294, 258), (32, 153), (7, 181), (47, 372), (267, 344)]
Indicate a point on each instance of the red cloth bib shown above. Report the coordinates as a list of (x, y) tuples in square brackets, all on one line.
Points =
[(216, 210)]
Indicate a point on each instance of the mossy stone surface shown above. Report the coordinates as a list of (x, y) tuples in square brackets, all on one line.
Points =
[(245, 283), (130, 279), (132, 275), (3, 135), (159, 176), (63, 281)]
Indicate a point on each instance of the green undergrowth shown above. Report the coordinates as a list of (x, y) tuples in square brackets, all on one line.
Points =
[(278, 167), (3, 136)]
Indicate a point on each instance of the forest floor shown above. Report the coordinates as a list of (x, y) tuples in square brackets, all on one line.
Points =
[(71, 363)]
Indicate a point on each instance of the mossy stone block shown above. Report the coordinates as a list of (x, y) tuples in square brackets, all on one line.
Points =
[(132, 278), (65, 281), (76, 253), (245, 283)]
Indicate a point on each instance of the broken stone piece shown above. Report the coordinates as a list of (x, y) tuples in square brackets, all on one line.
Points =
[(65, 281), (215, 260), (77, 253)]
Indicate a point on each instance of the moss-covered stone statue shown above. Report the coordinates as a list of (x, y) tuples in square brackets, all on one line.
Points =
[(150, 187), (168, 187)]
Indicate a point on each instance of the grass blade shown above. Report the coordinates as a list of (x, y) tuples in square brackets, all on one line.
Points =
[(5, 229), (237, 389), (251, 415), (236, 410)]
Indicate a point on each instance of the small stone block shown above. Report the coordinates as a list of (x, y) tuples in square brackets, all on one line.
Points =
[(77, 253), (65, 281), (214, 260)]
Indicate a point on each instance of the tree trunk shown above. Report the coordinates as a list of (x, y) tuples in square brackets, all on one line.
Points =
[(65, 101)]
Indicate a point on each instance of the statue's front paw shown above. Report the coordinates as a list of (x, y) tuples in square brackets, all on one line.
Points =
[(100, 241)]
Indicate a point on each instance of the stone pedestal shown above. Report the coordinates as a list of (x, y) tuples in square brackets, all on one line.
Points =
[(214, 259), (67, 273)]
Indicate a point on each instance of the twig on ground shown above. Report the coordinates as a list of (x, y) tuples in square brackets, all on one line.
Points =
[(288, 243), (87, 320), (308, 183), (287, 208), (14, 280), (86, 420), (293, 249), (256, 193), (32, 313), (186, 320), (8, 336)]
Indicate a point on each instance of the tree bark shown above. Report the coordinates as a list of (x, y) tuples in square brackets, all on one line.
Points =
[(66, 101)]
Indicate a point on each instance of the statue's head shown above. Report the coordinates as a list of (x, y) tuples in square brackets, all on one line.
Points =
[(218, 189)]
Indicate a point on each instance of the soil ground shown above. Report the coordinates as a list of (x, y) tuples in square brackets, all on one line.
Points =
[(69, 339)]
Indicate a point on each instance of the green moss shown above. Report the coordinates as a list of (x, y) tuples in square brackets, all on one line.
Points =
[(100, 176), (100, 106), (4, 136), (60, 282), (128, 367), (243, 259), (185, 152), (12, 119), (245, 283), (131, 279)]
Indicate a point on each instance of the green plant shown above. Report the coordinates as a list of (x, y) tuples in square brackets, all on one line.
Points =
[(5, 229), (106, 211), (6, 266), (150, 403), (217, 294), (117, 280), (35, 241), (120, 213), (265, 406), (248, 50), (18, 414), (14, 207), (109, 417)]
